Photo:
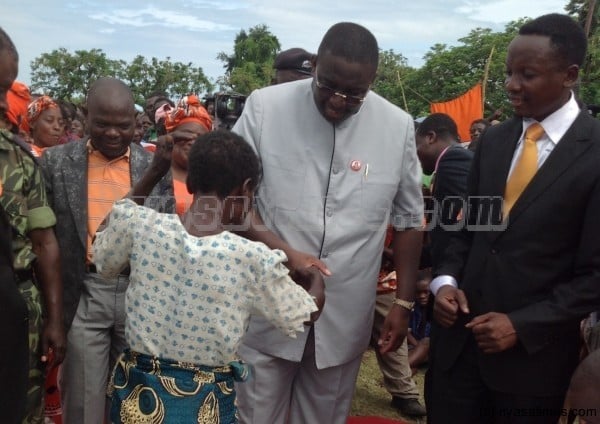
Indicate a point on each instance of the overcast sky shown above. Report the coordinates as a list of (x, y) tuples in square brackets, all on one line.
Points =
[(197, 30)]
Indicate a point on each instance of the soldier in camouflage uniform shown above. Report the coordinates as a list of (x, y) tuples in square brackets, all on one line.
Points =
[(35, 249)]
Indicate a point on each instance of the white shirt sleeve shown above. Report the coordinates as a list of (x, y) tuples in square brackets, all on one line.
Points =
[(440, 281)]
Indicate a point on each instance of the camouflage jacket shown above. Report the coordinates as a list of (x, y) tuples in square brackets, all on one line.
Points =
[(23, 196)]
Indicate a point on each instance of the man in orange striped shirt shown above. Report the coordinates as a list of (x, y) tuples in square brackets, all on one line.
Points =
[(84, 179)]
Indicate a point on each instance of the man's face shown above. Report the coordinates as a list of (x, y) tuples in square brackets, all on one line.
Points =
[(476, 130), (111, 123), (335, 74), (425, 152), (149, 106), (8, 73), (537, 81)]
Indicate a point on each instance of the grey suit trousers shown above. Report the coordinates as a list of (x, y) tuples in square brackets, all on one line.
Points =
[(96, 338), (286, 392)]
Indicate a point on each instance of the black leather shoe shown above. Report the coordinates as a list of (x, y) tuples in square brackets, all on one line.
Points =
[(410, 407)]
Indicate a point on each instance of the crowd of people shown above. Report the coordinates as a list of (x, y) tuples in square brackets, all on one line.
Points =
[(177, 272)]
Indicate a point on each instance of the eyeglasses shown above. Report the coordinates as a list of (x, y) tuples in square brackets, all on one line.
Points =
[(351, 101)]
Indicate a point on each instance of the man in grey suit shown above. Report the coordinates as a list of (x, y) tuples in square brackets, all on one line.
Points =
[(84, 178), (338, 161)]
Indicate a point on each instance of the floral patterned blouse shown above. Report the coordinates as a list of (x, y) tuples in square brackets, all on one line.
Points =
[(190, 298)]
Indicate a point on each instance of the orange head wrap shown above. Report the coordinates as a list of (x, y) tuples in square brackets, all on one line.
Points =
[(189, 109), (18, 97), (36, 107)]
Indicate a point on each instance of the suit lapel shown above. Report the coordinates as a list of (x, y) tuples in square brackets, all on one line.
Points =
[(75, 183), (571, 146)]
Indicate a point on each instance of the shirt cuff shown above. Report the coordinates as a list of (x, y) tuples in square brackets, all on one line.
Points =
[(443, 280)]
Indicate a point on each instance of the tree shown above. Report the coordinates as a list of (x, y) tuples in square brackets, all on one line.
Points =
[(251, 64), (174, 78), (449, 72), (391, 72), (63, 75), (589, 89), (67, 76)]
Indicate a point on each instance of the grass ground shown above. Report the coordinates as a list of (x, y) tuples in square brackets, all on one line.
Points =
[(371, 398)]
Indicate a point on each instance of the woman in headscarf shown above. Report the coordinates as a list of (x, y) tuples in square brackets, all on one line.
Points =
[(189, 117), (46, 124)]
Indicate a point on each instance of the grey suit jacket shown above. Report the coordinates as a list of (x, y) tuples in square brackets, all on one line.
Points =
[(65, 171)]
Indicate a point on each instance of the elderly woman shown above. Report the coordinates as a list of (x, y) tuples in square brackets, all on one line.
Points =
[(46, 124), (188, 118)]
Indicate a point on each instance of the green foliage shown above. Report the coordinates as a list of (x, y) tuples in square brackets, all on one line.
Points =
[(449, 72), (67, 76), (175, 78), (251, 64), (391, 71), (589, 89)]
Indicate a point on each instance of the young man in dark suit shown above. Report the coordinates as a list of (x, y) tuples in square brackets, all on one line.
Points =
[(442, 156), (513, 287)]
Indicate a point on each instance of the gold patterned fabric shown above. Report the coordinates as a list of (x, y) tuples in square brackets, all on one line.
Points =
[(146, 389)]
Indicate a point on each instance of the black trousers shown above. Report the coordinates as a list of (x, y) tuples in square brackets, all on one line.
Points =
[(460, 396)]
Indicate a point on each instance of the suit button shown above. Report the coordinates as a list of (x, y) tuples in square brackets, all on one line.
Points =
[(493, 251)]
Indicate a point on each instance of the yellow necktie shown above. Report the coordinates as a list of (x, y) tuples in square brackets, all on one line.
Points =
[(525, 168)]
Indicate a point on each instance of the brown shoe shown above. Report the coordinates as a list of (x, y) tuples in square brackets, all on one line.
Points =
[(410, 407)]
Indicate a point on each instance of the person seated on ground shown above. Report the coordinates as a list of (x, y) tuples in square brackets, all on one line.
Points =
[(194, 286), (583, 395), (420, 324), (46, 124), (291, 65), (478, 126)]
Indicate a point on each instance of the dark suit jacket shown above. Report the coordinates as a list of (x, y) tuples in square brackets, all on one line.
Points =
[(542, 269), (449, 194), (65, 171)]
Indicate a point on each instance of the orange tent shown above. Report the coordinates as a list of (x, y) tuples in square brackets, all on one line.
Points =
[(463, 109)]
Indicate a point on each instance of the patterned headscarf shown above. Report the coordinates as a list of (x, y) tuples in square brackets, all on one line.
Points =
[(36, 107), (18, 97), (189, 109)]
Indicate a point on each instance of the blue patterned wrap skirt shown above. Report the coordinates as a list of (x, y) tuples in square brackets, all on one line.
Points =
[(153, 390)]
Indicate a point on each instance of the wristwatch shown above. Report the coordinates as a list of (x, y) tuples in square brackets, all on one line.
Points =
[(404, 303)]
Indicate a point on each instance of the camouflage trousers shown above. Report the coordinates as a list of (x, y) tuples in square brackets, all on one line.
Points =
[(35, 383)]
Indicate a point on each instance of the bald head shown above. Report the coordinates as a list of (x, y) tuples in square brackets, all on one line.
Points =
[(111, 90), (110, 116)]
